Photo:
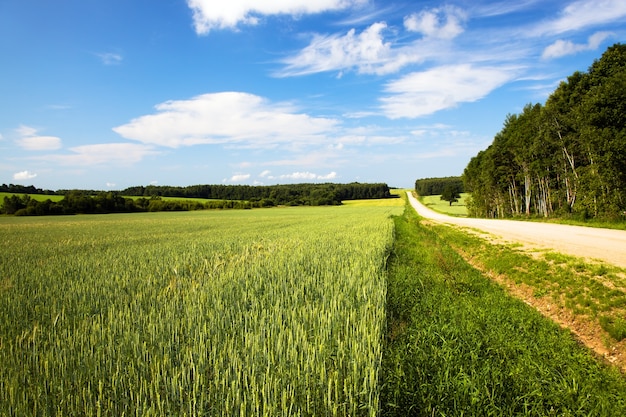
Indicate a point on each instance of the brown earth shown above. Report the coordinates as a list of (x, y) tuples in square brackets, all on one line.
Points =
[(590, 244)]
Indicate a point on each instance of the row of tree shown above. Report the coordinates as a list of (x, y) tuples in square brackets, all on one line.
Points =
[(436, 186), (110, 202), (564, 158), (285, 194), (84, 202), (24, 189)]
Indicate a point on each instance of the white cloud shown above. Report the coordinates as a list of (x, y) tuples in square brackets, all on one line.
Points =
[(584, 13), (30, 141), (367, 52), (494, 8), (26, 131), (40, 143), (211, 14), (443, 23), (109, 58), (24, 175), (110, 184), (423, 93), (265, 173), (226, 118), (239, 177), (562, 48), (101, 154)]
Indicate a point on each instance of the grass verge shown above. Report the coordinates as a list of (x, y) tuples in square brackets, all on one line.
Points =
[(434, 202), (457, 344)]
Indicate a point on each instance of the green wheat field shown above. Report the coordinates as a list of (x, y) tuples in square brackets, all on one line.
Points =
[(252, 312)]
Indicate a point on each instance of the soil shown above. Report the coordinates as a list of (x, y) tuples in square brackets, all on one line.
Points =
[(590, 244)]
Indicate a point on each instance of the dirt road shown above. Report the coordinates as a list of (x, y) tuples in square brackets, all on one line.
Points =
[(604, 245)]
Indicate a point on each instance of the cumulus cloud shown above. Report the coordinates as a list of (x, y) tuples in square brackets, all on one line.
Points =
[(423, 93), (562, 48), (444, 23), (210, 14), (24, 175), (582, 14), (367, 52), (226, 118), (238, 178), (31, 141)]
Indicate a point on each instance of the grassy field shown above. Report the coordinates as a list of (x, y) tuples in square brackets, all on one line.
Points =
[(348, 310), (434, 202), (257, 312)]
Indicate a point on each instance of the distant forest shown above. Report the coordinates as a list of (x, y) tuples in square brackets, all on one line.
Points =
[(150, 198), (566, 158), (436, 186)]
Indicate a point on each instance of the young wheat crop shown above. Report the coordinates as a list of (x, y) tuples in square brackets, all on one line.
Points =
[(264, 312)]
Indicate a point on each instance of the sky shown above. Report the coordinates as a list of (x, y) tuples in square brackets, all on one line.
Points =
[(108, 94)]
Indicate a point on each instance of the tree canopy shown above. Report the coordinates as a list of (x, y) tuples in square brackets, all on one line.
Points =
[(436, 186), (564, 158)]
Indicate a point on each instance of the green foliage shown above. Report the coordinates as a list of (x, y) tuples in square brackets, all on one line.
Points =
[(288, 194), (201, 313), (436, 186), (566, 158), (186, 198), (615, 326), (450, 194), (458, 345)]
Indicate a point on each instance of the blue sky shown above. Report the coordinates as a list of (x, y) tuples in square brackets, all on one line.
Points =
[(106, 94)]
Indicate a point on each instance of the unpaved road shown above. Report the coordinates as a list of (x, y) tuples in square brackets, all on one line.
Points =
[(590, 243)]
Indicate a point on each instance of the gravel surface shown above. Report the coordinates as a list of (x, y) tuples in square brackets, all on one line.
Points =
[(605, 245)]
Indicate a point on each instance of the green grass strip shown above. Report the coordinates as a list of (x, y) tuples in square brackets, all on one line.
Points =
[(457, 344)]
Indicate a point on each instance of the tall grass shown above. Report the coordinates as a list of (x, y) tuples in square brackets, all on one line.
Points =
[(458, 345), (264, 312)]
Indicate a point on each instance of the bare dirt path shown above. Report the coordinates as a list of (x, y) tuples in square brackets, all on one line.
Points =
[(605, 245)]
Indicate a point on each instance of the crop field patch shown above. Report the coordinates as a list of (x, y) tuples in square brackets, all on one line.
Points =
[(268, 312)]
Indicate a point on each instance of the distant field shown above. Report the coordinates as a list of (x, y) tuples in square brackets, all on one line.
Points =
[(383, 202), (38, 197), (43, 197), (435, 202)]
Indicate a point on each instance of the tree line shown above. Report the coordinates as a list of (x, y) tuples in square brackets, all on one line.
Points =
[(285, 194), (564, 158), (436, 186), (222, 197)]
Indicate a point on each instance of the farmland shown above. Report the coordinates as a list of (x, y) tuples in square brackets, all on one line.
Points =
[(349, 310), (263, 312)]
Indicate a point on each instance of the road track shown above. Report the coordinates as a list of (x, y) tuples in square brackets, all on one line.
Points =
[(589, 243)]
